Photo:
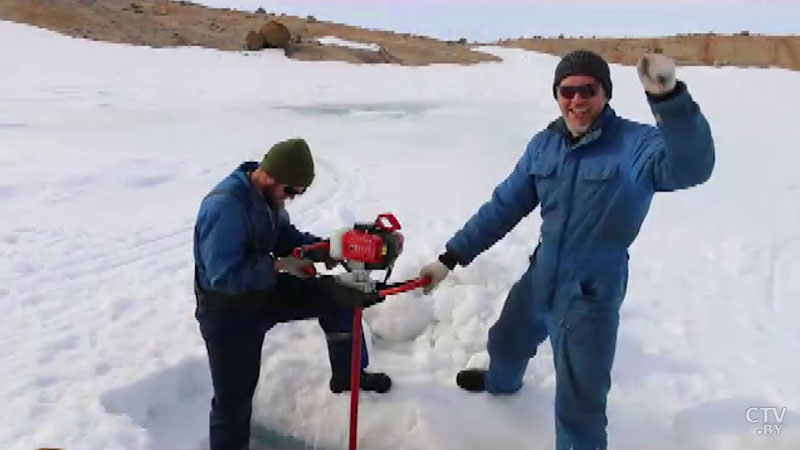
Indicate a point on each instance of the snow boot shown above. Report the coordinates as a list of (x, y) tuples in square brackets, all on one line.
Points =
[(371, 382), (472, 380)]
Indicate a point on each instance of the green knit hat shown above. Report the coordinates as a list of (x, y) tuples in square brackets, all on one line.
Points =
[(289, 162)]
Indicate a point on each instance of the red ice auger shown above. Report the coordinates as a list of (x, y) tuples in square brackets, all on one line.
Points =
[(362, 249)]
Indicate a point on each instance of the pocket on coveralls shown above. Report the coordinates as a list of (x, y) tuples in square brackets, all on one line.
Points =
[(599, 178), (589, 302), (545, 178)]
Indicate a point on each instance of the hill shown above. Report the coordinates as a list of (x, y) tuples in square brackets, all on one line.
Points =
[(163, 23)]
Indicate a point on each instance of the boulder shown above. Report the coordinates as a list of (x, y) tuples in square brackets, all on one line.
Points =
[(275, 34), (254, 41)]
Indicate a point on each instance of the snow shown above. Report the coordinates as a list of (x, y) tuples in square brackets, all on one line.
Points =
[(107, 149), (333, 40)]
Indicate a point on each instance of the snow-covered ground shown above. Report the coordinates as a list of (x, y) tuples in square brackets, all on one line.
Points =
[(106, 151)]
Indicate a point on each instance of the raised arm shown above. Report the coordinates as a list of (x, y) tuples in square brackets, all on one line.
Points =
[(679, 153)]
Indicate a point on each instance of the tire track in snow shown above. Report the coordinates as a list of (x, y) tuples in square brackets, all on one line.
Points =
[(333, 205), (328, 195), (117, 255), (91, 286)]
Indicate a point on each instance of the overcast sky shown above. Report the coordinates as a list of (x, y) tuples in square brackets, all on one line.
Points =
[(489, 20)]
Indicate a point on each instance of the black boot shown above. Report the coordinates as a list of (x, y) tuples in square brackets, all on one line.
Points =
[(472, 380), (371, 382)]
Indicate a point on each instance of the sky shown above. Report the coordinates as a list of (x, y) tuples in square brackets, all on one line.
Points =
[(106, 151), (488, 21)]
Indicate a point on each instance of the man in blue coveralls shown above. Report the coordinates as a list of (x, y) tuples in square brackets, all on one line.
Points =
[(593, 174), (246, 282)]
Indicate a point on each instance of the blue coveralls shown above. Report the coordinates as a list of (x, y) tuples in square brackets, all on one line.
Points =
[(594, 195), (240, 297)]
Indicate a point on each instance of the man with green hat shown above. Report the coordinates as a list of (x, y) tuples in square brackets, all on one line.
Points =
[(246, 282)]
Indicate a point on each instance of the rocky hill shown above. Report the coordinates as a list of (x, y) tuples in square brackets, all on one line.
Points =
[(162, 23), (743, 49), (169, 23)]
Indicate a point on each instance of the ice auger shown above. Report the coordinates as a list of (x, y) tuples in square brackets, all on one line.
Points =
[(361, 250)]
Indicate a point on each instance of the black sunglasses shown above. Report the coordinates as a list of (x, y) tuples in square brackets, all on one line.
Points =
[(291, 191), (584, 91)]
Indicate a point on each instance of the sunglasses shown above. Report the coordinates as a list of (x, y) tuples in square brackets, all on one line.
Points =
[(292, 191), (584, 91)]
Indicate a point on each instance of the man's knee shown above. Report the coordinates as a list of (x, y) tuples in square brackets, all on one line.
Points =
[(516, 336), (520, 329)]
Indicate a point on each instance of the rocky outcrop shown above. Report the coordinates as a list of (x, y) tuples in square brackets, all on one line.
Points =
[(744, 49), (275, 35)]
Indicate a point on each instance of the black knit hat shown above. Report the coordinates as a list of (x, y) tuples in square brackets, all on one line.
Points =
[(584, 62), (289, 162)]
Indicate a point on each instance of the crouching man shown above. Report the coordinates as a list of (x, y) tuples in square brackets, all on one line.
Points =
[(246, 282)]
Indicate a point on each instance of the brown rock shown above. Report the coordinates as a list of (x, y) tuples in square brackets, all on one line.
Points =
[(254, 41), (275, 34), (387, 57), (161, 7)]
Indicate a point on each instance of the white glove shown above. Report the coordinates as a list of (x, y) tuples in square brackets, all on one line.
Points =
[(294, 266), (436, 271), (657, 73)]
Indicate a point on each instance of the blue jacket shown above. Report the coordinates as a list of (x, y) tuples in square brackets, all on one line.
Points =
[(237, 237), (594, 194)]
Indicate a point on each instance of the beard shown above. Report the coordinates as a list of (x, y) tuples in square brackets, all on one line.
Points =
[(577, 129), (269, 196)]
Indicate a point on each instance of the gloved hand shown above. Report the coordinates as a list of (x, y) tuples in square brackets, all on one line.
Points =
[(656, 73), (323, 256), (436, 271), (299, 267)]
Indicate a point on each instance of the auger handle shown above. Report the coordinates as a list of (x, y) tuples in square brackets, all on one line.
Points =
[(312, 252), (308, 251), (405, 286)]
